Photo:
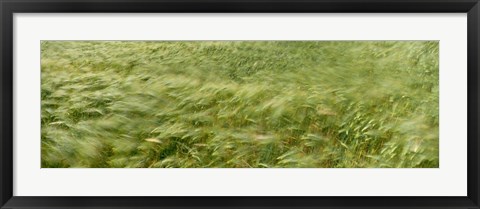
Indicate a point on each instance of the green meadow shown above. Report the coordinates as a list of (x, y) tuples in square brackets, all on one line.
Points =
[(240, 104)]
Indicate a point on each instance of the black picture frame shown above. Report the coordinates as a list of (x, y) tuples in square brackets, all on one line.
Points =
[(9, 7)]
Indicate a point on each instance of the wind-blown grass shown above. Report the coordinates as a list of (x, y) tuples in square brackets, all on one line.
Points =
[(260, 104)]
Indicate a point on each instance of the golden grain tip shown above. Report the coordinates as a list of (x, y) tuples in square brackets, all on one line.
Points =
[(154, 140)]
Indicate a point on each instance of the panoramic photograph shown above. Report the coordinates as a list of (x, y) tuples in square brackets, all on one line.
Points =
[(239, 104)]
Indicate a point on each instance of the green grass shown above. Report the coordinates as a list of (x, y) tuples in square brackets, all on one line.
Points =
[(260, 104)]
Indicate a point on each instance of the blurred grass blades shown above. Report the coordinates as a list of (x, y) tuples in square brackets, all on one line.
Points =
[(235, 104)]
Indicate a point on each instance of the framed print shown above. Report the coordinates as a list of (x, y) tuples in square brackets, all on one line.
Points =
[(239, 104)]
